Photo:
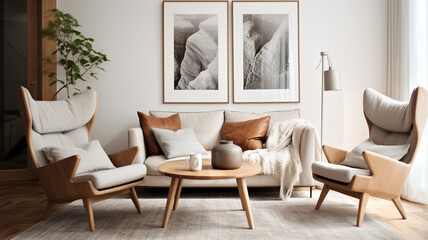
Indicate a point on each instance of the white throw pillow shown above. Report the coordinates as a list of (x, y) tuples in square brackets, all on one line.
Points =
[(92, 156), (206, 125), (177, 143), (355, 158)]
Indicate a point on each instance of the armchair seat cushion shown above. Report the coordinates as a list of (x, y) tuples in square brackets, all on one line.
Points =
[(337, 172), (113, 177)]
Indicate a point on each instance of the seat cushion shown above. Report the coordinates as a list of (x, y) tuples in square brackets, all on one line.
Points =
[(113, 177), (337, 172), (152, 163), (207, 125)]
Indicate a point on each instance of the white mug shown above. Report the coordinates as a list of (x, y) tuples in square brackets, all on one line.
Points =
[(195, 161)]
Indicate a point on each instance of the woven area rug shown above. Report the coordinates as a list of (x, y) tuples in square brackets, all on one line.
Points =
[(214, 218)]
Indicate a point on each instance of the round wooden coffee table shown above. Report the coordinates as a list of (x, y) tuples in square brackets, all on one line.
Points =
[(179, 170)]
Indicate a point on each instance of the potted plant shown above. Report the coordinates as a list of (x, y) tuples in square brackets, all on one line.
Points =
[(76, 54)]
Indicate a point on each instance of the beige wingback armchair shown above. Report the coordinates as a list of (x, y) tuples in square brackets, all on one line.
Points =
[(68, 123), (390, 122)]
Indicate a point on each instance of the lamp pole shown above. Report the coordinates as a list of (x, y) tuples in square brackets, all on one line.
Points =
[(322, 98), (330, 81)]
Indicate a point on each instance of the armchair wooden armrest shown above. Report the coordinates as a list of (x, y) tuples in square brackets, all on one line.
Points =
[(63, 170), (57, 179), (124, 157), (334, 155), (388, 175)]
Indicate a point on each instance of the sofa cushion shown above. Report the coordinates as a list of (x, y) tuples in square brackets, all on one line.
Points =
[(113, 177), (92, 156), (177, 143), (148, 122), (337, 172), (249, 135), (206, 125), (152, 163), (355, 157), (275, 116), (63, 115), (387, 113)]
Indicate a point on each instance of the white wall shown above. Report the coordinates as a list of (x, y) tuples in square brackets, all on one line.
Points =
[(354, 32)]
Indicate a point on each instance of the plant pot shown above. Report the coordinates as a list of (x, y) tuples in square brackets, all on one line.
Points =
[(226, 155)]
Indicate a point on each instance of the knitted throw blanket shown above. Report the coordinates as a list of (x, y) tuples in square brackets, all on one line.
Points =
[(281, 157)]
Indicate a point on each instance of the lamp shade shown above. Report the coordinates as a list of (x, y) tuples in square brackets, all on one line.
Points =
[(332, 80)]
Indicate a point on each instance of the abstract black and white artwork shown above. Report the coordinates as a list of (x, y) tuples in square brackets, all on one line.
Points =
[(266, 52), (265, 42), (195, 52)]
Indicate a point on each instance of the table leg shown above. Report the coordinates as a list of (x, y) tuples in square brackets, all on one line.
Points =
[(243, 194), (169, 201), (177, 194)]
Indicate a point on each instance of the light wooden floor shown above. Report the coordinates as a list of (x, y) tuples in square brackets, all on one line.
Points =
[(414, 227), (22, 204)]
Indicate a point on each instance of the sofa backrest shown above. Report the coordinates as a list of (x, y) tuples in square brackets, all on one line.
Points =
[(275, 116), (207, 125)]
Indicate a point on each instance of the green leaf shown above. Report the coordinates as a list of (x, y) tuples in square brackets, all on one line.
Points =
[(88, 87), (88, 45), (70, 63), (76, 68), (77, 41), (83, 61)]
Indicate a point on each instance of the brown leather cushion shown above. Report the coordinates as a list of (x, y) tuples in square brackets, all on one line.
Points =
[(148, 122), (248, 135)]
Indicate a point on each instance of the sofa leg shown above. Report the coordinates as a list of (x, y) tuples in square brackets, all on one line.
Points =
[(310, 192), (324, 192), (89, 213)]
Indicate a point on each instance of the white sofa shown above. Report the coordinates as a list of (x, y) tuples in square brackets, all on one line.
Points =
[(207, 127)]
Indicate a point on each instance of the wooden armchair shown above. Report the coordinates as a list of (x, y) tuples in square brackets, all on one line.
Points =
[(390, 122), (69, 123)]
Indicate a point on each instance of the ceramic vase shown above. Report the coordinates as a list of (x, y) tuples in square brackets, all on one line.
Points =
[(226, 155)]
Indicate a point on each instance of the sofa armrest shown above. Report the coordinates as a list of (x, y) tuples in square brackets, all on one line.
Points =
[(308, 154), (136, 139)]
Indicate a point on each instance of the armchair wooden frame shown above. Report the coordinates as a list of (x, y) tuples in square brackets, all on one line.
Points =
[(387, 175), (57, 178)]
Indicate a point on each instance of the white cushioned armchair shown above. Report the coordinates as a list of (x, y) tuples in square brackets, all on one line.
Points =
[(68, 123), (392, 124)]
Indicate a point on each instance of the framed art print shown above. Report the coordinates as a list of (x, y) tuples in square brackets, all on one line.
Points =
[(266, 52), (195, 41)]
